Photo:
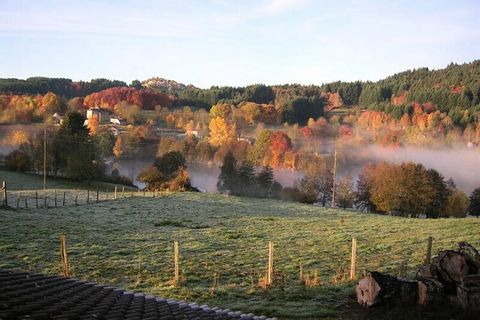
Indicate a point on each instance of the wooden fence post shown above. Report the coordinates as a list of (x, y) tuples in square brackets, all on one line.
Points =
[(88, 196), (55, 195), (4, 189), (270, 263), (36, 199), (76, 197), (353, 261), (123, 192), (176, 260), (26, 200), (97, 193), (301, 273), (64, 196), (115, 195), (18, 199), (45, 198), (63, 255), (428, 257)]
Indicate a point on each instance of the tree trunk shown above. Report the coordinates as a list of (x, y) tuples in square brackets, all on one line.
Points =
[(378, 288), (430, 291)]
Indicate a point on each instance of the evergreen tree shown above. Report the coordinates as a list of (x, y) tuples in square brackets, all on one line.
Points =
[(246, 180), (264, 182), (437, 207), (227, 180), (74, 152), (474, 206)]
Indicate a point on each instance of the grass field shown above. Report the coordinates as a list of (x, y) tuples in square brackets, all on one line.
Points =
[(26, 190), (128, 243)]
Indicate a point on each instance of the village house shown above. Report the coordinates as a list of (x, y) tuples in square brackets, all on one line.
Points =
[(57, 119), (102, 115)]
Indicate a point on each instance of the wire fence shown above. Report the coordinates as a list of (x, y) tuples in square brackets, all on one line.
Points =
[(52, 198)]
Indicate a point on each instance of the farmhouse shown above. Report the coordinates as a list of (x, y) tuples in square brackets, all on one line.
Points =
[(102, 115)]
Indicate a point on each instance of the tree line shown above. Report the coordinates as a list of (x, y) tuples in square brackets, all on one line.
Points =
[(406, 189)]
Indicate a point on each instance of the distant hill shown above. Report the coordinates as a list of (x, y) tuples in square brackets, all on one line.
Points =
[(455, 87)]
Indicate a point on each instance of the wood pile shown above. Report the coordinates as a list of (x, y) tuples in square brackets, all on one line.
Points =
[(453, 276)]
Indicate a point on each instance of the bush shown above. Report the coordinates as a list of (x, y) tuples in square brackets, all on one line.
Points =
[(18, 161)]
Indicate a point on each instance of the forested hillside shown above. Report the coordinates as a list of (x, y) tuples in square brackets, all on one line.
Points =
[(456, 86)]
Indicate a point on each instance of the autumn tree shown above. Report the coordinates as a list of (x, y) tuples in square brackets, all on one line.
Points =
[(93, 125), (280, 143), (260, 148), (130, 112), (222, 132), (344, 192), (307, 189), (222, 110), (170, 163), (169, 172), (406, 189), (457, 204), (118, 147)]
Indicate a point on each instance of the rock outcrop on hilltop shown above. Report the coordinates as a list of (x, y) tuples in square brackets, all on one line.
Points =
[(165, 85)]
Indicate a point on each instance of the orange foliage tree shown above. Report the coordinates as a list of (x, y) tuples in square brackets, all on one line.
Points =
[(108, 98), (280, 143)]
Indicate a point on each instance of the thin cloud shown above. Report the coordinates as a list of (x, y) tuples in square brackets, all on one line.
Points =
[(276, 7)]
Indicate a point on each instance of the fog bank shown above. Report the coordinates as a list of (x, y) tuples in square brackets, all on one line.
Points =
[(461, 164)]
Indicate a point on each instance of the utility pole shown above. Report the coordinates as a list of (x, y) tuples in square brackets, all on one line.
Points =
[(45, 158), (334, 176)]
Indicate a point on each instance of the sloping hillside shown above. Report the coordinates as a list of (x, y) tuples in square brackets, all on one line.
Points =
[(128, 243)]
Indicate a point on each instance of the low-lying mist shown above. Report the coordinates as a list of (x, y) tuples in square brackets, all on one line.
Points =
[(460, 164), (202, 176)]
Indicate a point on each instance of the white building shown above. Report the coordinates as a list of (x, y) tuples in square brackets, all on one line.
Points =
[(101, 114)]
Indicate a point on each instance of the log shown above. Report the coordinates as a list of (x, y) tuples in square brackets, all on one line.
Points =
[(377, 288), (426, 272), (430, 292), (471, 254), (468, 293), (452, 266)]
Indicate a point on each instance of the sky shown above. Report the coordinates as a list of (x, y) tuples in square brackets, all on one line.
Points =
[(223, 42)]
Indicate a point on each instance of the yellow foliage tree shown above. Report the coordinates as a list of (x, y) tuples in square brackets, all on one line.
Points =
[(222, 132), (222, 110)]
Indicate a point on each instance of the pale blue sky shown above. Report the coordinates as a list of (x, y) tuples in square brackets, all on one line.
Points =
[(223, 42)]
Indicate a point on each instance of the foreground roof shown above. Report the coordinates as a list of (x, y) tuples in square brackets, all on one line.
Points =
[(35, 296)]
